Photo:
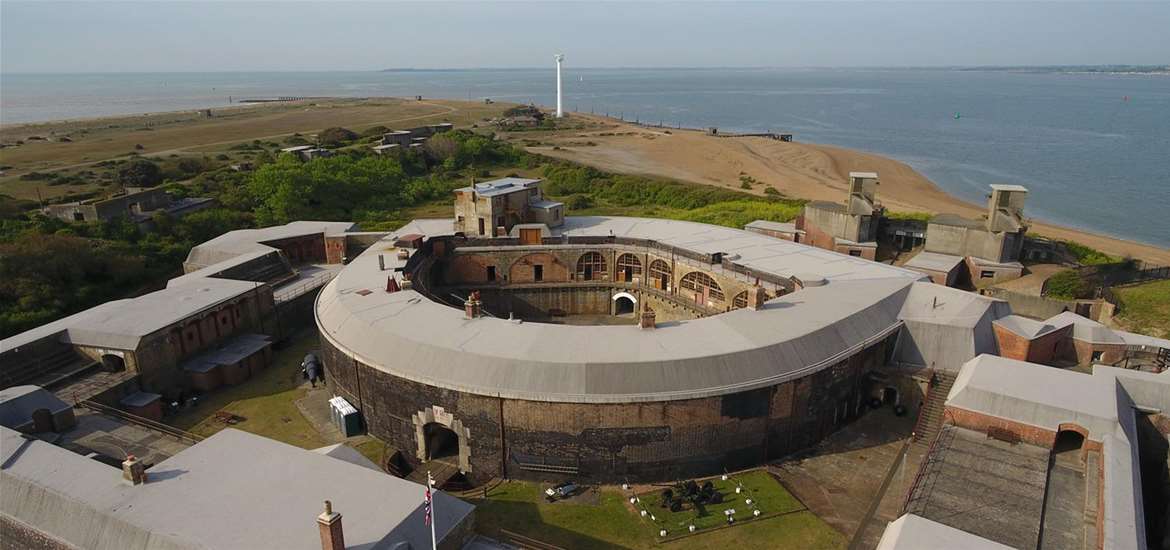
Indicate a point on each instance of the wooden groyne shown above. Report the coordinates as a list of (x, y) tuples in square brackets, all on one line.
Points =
[(276, 99)]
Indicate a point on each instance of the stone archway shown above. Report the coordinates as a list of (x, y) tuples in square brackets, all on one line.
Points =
[(435, 415), (624, 303)]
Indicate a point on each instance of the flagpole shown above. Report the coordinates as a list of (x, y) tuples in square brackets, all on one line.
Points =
[(431, 494)]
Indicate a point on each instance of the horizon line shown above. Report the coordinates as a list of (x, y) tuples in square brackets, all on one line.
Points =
[(615, 68)]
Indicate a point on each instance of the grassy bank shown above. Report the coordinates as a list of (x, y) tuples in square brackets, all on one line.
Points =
[(1145, 308)]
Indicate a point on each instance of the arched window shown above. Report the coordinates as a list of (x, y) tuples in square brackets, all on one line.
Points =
[(660, 274), (591, 266), (628, 267), (702, 283), (741, 299)]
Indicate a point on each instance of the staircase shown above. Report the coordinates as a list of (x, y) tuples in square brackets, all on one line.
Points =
[(48, 370), (930, 418)]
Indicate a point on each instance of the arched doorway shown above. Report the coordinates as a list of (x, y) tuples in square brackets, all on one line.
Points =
[(660, 275), (624, 304), (436, 431), (629, 267), (113, 363), (440, 441)]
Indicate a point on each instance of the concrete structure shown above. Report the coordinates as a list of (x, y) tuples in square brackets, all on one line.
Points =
[(495, 207), (990, 248), (307, 152), (31, 409), (749, 347), (233, 490), (1071, 339), (779, 230), (849, 228), (211, 327), (1090, 434), (138, 204)]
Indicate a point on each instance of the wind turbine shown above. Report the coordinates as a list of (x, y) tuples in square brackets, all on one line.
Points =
[(560, 58)]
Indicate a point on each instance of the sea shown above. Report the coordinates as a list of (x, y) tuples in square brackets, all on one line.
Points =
[(1093, 149)]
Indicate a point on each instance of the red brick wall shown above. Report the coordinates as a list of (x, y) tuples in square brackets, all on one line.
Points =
[(1083, 352), (555, 271), (814, 236), (1027, 433), (334, 249), (469, 269)]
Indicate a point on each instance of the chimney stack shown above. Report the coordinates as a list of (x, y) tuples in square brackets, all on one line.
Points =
[(756, 297), (473, 308), (133, 470), (647, 319), (329, 524)]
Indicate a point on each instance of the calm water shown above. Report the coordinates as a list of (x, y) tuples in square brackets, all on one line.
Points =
[(1091, 157)]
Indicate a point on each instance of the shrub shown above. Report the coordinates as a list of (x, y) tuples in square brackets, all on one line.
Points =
[(1068, 285), (769, 190), (578, 202), (336, 136), (139, 173)]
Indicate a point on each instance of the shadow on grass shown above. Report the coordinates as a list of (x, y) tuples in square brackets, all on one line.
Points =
[(524, 518)]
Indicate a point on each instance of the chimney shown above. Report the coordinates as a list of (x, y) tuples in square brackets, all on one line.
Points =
[(133, 470), (329, 524), (756, 297), (381, 262), (473, 307), (646, 320)]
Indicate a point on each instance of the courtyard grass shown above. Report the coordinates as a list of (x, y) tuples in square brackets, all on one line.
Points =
[(520, 507), (766, 494), (267, 402), (1145, 308)]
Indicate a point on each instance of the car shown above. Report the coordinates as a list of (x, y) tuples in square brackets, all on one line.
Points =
[(563, 490)]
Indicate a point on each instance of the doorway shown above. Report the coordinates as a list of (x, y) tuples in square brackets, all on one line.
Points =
[(441, 441), (623, 306)]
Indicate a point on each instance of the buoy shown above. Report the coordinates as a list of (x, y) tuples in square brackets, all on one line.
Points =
[(957, 116)]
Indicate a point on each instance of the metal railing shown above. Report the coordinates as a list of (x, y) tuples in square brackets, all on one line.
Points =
[(140, 421)]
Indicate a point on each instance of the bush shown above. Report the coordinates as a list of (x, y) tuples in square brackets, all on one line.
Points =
[(375, 131), (769, 190), (139, 173), (578, 202), (1068, 285), (336, 136)]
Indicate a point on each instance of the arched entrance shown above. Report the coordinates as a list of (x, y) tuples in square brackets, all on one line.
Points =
[(113, 363), (440, 441), (624, 303), (436, 432)]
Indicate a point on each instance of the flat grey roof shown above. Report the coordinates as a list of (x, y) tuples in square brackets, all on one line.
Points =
[(501, 186), (912, 532), (17, 404), (121, 324), (410, 336), (784, 227), (1009, 187), (1023, 326), (933, 261), (232, 490), (244, 241), (870, 175)]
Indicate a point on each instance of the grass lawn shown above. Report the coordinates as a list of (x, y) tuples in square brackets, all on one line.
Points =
[(1145, 308), (520, 507), (766, 494), (266, 402)]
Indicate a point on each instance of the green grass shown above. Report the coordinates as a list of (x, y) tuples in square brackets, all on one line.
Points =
[(918, 216), (520, 507), (267, 402), (1145, 308), (767, 495)]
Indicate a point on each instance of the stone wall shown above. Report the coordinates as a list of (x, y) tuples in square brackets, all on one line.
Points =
[(659, 440)]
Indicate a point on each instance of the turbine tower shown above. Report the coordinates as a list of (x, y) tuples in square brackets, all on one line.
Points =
[(560, 58)]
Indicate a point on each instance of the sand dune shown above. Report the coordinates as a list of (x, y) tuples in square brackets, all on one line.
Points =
[(799, 170)]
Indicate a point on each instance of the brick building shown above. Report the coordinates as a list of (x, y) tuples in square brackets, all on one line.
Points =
[(987, 250), (755, 347), (850, 227), (495, 207)]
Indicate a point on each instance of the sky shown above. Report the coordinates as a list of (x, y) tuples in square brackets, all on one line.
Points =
[(55, 37)]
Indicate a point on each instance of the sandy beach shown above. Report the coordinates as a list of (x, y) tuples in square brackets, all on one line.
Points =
[(798, 170)]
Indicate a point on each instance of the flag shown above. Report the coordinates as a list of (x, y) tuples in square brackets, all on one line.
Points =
[(427, 501), (427, 508)]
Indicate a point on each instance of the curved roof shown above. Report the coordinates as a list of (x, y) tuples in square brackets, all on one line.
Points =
[(410, 336)]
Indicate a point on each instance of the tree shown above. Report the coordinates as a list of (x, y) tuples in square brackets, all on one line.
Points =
[(336, 136), (139, 173)]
